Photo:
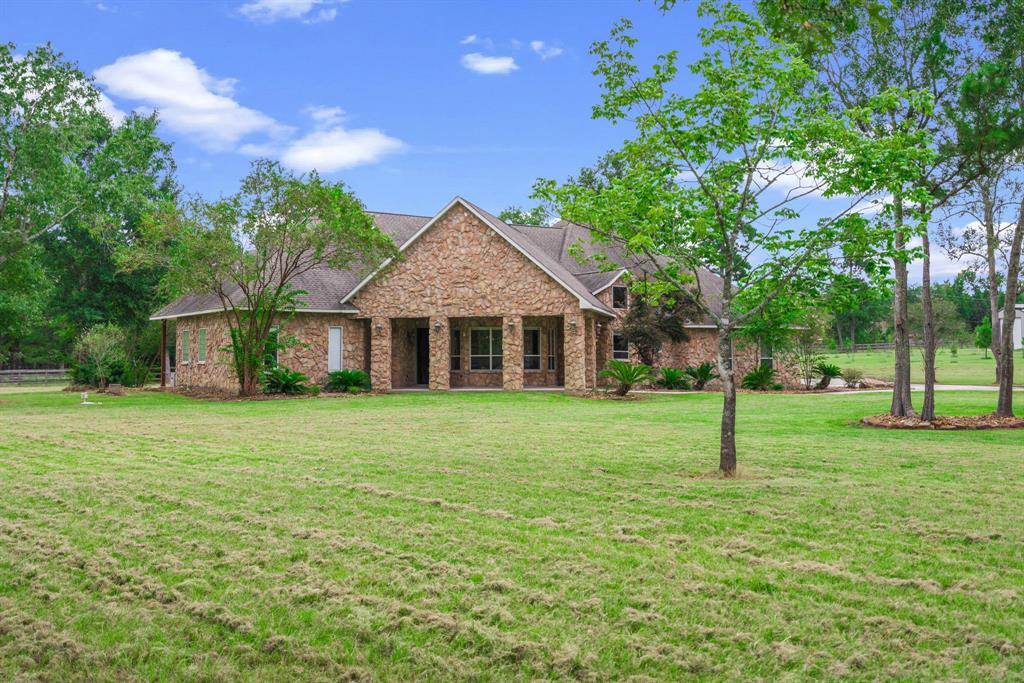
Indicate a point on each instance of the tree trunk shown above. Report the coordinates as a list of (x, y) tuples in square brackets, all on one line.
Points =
[(1004, 406), (902, 405), (727, 452), (991, 245), (839, 333), (853, 334), (928, 409)]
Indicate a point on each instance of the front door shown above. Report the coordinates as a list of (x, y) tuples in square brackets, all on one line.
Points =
[(422, 355)]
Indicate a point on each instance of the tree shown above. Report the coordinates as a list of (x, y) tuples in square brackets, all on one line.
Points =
[(648, 325), (62, 157), (957, 52), (102, 346), (249, 250), (707, 177), (983, 336), (517, 215)]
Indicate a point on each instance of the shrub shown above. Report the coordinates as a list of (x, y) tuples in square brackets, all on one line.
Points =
[(626, 375), (352, 381), (827, 372), (282, 380), (761, 378), (853, 377), (673, 378), (101, 351), (702, 374)]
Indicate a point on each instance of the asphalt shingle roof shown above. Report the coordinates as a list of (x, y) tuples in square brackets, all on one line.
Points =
[(325, 289)]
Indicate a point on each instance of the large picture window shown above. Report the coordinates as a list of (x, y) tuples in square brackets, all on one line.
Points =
[(767, 357), (455, 349), (531, 348), (620, 349), (485, 348)]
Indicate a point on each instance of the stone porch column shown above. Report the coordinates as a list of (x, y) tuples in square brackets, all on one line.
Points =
[(440, 344), (575, 351), (604, 344), (591, 351), (512, 352), (380, 354)]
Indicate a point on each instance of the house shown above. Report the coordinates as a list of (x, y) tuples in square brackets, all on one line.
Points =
[(1018, 326), (471, 302)]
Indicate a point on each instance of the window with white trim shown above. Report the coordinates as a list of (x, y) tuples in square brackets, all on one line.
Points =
[(551, 349), (335, 349), (620, 348), (531, 348), (620, 297), (455, 349), (485, 348), (767, 355), (201, 345), (186, 352)]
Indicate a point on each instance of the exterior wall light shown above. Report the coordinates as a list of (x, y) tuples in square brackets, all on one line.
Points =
[(437, 326), (572, 324), (380, 328), (511, 325)]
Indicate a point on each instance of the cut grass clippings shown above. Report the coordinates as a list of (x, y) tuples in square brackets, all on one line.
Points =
[(504, 536)]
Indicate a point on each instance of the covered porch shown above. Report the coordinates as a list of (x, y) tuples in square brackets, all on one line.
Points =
[(511, 352)]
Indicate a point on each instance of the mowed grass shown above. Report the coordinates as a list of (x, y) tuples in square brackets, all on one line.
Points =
[(968, 366), (504, 536)]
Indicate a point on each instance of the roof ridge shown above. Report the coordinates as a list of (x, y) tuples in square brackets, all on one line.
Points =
[(395, 213)]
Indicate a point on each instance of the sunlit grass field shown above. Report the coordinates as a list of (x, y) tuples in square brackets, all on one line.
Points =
[(504, 536), (967, 366)]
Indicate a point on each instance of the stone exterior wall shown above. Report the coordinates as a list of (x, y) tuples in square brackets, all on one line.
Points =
[(461, 268), (309, 357)]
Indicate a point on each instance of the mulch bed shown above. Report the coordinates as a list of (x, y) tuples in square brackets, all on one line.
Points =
[(944, 422)]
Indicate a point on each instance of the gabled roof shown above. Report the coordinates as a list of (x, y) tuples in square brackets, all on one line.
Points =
[(329, 290)]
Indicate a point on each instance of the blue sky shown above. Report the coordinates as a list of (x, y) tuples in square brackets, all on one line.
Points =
[(408, 103)]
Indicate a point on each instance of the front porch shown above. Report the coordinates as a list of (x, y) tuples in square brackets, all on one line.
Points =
[(487, 352)]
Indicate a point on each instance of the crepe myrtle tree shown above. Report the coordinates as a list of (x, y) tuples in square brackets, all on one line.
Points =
[(250, 249), (715, 179)]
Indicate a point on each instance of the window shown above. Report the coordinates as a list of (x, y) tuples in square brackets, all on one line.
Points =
[(767, 358), (270, 350), (531, 348), (186, 352), (551, 349), (485, 348), (201, 344), (335, 349), (620, 349), (455, 349), (620, 297)]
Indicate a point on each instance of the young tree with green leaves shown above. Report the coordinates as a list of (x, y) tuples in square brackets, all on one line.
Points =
[(517, 215), (983, 336), (249, 250), (708, 179)]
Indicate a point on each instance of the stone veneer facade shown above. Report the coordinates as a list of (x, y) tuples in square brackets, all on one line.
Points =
[(458, 275)]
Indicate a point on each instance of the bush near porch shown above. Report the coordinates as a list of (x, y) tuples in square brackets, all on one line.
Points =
[(503, 535)]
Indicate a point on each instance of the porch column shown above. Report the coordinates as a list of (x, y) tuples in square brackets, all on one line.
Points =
[(380, 354), (604, 344), (163, 353), (440, 345), (512, 352), (591, 351), (575, 352)]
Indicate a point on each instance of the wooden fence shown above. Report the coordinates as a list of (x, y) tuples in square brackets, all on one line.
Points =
[(33, 376)]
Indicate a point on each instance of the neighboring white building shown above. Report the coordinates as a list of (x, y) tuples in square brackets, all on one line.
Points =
[(1018, 327)]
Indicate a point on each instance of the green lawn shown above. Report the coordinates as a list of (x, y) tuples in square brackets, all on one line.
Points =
[(504, 536), (968, 366)]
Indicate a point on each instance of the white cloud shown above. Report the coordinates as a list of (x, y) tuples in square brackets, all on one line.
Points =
[(468, 40), (190, 100), (104, 8), (108, 107), (269, 11), (334, 149), (474, 39), (483, 64), (325, 116), (544, 50)]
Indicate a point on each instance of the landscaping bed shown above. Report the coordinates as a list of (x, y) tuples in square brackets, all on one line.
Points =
[(944, 422)]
